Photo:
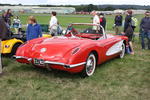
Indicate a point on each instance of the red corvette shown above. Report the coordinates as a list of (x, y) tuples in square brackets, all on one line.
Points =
[(81, 48)]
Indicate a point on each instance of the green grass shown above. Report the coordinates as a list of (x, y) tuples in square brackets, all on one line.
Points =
[(117, 79)]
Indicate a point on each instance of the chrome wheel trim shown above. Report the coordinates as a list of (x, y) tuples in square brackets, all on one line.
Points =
[(90, 65), (123, 51)]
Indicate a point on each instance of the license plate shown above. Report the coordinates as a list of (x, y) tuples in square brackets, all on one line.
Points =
[(38, 61)]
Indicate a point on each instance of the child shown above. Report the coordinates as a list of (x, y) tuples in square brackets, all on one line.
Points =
[(17, 24), (33, 29)]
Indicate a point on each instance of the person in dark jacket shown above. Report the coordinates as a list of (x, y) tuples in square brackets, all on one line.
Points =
[(4, 34), (128, 29), (145, 29), (7, 17), (33, 30), (128, 20), (102, 20), (118, 23), (4, 30)]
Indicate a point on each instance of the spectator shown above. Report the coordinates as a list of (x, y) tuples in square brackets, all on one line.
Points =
[(128, 29), (102, 20), (53, 24), (8, 16), (33, 29), (4, 30), (118, 23), (145, 29), (95, 20), (4, 34), (17, 24)]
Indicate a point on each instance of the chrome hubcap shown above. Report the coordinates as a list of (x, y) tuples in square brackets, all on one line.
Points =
[(90, 66), (123, 51)]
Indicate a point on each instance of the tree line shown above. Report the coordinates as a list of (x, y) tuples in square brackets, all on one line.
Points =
[(91, 7)]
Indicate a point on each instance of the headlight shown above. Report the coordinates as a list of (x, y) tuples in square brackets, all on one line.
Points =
[(7, 46), (75, 50)]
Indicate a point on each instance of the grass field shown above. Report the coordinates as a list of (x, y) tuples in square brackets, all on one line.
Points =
[(118, 79)]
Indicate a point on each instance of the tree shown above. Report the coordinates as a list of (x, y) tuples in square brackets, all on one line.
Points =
[(19, 4), (109, 8)]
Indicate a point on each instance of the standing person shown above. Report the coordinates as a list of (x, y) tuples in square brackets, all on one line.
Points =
[(118, 23), (8, 16), (145, 29), (95, 20), (128, 29), (4, 33), (53, 24), (102, 20), (17, 24), (33, 29)]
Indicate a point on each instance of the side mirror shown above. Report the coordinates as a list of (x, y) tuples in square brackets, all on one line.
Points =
[(64, 32)]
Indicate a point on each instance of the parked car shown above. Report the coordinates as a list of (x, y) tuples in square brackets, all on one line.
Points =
[(10, 45), (80, 50)]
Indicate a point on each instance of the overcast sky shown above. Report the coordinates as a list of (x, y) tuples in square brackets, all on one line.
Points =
[(76, 2)]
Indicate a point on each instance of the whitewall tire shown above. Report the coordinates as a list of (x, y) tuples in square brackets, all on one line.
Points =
[(89, 66), (122, 54)]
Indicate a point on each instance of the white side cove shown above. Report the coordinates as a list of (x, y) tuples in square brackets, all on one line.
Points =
[(116, 48)]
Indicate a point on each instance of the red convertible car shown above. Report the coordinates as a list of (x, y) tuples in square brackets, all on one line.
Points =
[(82, 47)]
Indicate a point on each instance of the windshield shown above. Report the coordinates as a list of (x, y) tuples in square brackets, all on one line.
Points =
[(88, 29)]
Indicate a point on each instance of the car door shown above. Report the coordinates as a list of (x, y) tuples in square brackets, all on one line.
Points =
[(110, 47)]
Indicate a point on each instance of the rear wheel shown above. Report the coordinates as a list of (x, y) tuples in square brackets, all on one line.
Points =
[(123, 51), (90, 66)]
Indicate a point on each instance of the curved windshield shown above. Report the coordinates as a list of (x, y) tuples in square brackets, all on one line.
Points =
[(85, 31), (89, 29)]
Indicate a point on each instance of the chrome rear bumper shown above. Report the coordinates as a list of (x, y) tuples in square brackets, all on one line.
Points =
[(53, 63)]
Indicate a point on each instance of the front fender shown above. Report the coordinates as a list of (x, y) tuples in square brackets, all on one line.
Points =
[(7, 45)]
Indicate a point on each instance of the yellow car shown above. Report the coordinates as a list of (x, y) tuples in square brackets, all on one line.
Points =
[(10, 46), (47, 35)]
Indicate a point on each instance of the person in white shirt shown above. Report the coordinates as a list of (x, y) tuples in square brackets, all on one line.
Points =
[(95, 20), (17, 24), (53, 24)]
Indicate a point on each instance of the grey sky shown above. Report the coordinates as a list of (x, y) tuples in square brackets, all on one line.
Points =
[(76, 2)]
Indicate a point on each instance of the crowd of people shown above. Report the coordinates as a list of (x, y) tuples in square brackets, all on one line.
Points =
[(34, 30), (128, 24)]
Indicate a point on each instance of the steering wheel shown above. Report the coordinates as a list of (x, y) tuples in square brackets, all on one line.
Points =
[(72, 32)]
